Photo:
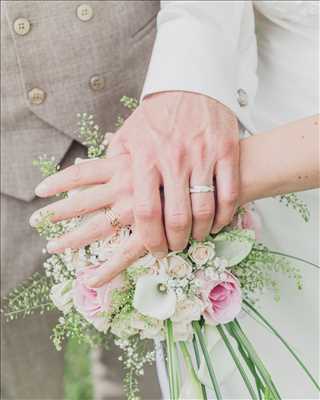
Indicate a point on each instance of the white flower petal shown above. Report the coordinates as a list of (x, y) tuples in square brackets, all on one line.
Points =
[(149, 301)]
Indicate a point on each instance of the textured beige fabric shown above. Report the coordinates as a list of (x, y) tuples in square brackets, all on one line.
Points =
[(59, 55)]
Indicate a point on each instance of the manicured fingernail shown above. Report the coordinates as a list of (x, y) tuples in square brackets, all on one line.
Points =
[(42, 189), (35, 218), (53, 246)]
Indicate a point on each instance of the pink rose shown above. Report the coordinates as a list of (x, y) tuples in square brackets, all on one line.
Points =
[(249, 219), (222, 298), (93, 303)]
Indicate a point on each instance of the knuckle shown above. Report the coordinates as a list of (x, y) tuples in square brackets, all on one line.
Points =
[(203, 213), (229, 147), (155, 243), (75, 173), (178, 222), (230, 198), (95, 229), (147, 211), (178, 153), (201, 150), (128, 255)]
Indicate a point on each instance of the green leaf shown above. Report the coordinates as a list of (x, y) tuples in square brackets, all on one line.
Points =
[(234, 250)]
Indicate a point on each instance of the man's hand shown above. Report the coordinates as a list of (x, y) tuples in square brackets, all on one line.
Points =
[(176, 140)]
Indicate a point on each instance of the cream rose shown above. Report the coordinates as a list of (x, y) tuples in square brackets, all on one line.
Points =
[(188, 310), (201, 253), (176, 266)]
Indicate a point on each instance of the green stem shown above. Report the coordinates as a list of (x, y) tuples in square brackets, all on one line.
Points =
[(189, 365), (177, 371), (242, 338), (24, 310), (171, 360), (273, 330), (197, 329), (197, 355), (237, 362), (259, 385), (278, 253)]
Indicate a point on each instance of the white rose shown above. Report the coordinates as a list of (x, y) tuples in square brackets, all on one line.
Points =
[(149, 328), (188, 310), (201, 253), (122, 328), (176, 266), (61, 295)]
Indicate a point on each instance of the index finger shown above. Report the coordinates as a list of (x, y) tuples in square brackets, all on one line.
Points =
[(85, 173)]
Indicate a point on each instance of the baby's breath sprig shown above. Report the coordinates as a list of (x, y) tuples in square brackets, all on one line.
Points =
[(242, 235), (136, 356), (131, 104), (31, 296), (47, 165), (292, 200), (121, 302), (257, 272), (72, 325), (91, 134), (48, 229)]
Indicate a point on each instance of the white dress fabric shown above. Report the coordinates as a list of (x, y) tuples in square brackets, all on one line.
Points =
[(288, 83), (288, 89)]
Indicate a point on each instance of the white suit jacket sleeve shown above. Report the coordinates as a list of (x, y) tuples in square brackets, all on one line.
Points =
[(207, 47)]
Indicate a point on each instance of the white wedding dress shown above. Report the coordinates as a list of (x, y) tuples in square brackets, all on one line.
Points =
[(288, 85), (288, 89)]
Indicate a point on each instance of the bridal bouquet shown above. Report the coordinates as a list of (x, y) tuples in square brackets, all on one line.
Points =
[(185, 301)]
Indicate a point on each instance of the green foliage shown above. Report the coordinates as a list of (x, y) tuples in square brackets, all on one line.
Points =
[(48, 229), (257, 272), (292, 200), (121, 300), (91, 134), (47, 166), (129, 102), (136, 356), (241, 235), (74, 326), (78, 379), (31, 296)]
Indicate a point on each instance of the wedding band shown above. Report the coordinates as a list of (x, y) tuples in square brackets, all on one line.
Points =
[(201, 188), (112, 218)]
